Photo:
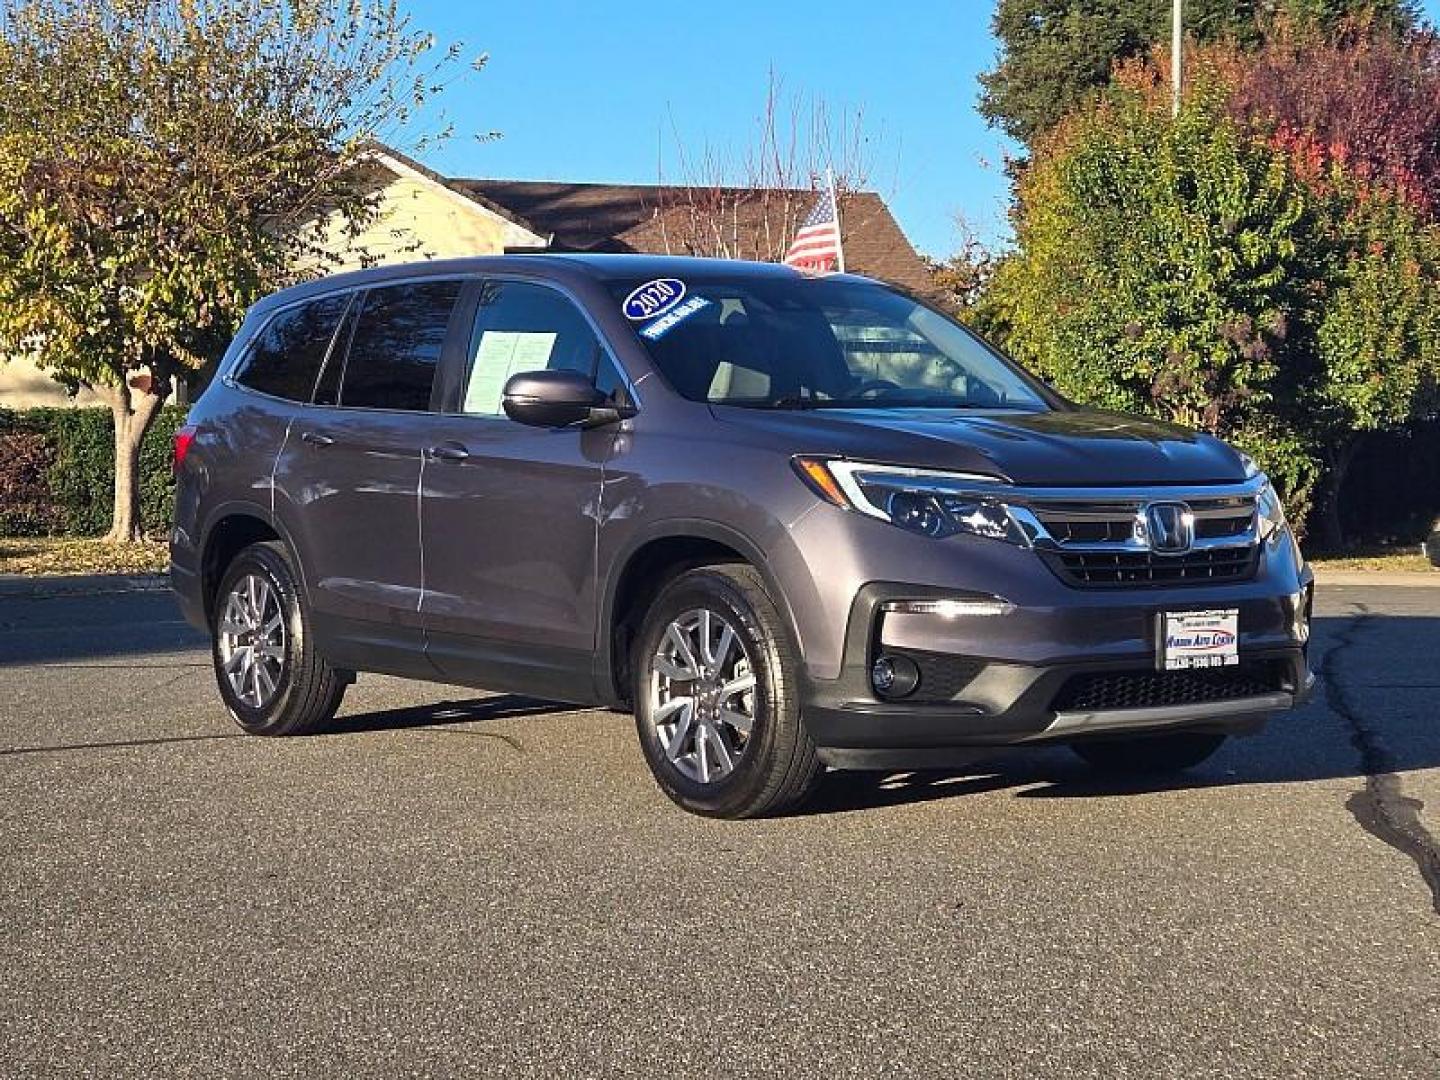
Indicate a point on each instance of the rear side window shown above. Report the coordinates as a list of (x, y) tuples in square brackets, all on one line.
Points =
[(396, 346), (287, 355)]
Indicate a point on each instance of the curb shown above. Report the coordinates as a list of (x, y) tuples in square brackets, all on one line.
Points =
[(1418, 579), (38, 586)]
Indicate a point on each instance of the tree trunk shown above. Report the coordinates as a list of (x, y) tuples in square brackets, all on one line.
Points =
[(133, 410), (1332, 529)]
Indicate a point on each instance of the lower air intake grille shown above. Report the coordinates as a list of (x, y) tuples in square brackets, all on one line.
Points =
[(1156, 689)]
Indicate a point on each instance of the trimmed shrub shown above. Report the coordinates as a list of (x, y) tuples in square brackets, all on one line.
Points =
[(27, 507), (68, 481)]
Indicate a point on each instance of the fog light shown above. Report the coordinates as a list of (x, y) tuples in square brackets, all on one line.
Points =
[(894, 676)]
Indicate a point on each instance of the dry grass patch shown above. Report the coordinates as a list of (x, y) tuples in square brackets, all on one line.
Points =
[(48, 555), (1401, 560)]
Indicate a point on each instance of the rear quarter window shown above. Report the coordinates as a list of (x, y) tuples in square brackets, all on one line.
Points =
[(287, 354)]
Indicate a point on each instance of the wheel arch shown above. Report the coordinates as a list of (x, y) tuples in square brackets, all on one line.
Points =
[(233, 528), (651, 559)]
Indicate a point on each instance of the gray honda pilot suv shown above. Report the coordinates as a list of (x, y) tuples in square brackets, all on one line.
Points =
[(792, 522)]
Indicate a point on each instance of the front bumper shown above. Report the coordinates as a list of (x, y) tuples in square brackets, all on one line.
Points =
[(1048, 674)]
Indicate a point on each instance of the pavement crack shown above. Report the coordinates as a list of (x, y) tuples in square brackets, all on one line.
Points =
[(1381, 807), (509, 740)]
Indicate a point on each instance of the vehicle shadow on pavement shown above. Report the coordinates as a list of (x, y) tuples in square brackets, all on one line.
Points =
[(119, 744), (1032, 773), (441, 714)]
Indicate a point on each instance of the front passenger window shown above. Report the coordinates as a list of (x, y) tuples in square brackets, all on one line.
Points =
[(523, 327)]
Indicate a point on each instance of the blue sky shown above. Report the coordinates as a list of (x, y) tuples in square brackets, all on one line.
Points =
[(589, 91)]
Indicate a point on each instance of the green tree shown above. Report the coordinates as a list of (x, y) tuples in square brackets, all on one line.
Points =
[(1057, 54), (164, 163), (1160, 265), (1396, 15), (1198, 271), (1379, 338)]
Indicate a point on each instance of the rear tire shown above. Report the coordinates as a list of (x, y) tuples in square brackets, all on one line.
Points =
[(1149, 755), (270, 676), (716, 692)]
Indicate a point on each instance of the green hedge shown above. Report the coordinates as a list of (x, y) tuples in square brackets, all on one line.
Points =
[(74, 487)]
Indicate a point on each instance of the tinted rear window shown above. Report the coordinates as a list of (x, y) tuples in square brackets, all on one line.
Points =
[(396, 345), (286, 356)]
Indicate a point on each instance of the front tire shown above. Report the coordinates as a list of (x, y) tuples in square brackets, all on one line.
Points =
[(270, 676), (717, 707), (1149, 755)]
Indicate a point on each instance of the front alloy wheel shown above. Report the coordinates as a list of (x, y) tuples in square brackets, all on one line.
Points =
[(702, 695), (717, 709)]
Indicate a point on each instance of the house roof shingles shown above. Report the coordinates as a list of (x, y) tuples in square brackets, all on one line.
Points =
[(650, 218)]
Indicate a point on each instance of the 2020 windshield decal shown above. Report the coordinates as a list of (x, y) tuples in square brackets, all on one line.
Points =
[(653, 298)]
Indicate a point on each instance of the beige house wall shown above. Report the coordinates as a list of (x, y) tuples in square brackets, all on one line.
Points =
[(417, 219), (23, 386)]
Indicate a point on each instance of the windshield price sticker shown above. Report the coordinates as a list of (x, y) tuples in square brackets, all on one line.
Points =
[(1201, 639), (662, 326)]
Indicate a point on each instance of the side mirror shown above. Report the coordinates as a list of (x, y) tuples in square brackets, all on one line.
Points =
[(559, 398)]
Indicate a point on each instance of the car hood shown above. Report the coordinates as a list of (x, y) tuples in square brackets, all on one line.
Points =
[(1062, 448)]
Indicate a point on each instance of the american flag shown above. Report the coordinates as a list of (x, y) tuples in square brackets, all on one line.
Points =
[(816, 246)]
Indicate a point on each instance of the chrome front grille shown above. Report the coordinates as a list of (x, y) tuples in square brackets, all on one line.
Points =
[(1099, 570), (1107, 539)]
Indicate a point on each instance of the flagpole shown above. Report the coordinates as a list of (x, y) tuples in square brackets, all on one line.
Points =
[(835, 202)]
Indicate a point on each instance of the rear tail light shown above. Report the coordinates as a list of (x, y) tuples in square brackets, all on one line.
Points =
[(184, 439)]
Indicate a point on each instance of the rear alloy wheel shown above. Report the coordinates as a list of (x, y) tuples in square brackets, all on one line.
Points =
[(270, 676), (250, 639), (716, 707), (1149, 755)]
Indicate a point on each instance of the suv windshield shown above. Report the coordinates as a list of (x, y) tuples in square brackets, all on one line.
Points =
[(815, 343)]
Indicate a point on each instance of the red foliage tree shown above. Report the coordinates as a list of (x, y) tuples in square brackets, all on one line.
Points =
[(1362, 98)]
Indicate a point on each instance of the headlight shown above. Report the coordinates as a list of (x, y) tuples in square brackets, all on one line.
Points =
[(1272, 513), (936, 504), (1274, 529)]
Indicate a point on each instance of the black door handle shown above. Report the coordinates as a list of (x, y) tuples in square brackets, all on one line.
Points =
[(447, 452), (317, 438)]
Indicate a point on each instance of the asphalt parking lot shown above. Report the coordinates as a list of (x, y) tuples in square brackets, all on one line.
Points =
[(453, 883)]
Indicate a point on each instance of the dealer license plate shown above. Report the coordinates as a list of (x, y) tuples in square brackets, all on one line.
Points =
[(1200, 639)]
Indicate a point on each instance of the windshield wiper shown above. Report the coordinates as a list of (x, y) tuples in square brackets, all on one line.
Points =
[(794, 401), (799, 402)]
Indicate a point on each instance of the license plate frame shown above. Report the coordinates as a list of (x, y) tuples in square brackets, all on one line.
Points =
[(1198, 640)]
